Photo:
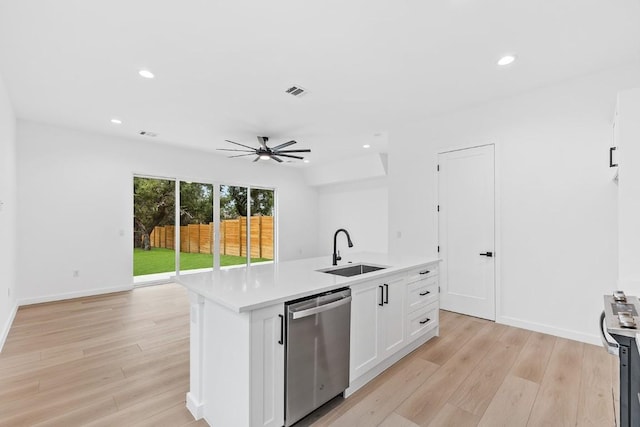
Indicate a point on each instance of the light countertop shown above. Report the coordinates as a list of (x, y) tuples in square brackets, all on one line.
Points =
[(261, 285)]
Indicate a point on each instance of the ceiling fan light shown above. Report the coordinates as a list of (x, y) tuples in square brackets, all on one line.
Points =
[(265, 156)]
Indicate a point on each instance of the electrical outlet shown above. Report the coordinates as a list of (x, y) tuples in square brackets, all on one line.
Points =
[(76, 273)]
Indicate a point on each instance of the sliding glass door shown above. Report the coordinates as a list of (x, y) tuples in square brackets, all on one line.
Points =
[(153, 226), (196, 226), (246, 227)]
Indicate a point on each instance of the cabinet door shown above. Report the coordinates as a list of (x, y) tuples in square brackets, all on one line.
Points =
[(365, 310), (393, 320), (267, 367)]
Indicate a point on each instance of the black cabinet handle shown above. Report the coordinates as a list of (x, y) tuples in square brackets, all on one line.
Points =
[(425, 272), (487, 254), (281, 341), (381, 303), (386, 298), (422, 322), (424, 293), (611, 164)]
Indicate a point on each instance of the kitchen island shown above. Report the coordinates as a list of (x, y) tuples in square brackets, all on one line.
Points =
[(237, 344)]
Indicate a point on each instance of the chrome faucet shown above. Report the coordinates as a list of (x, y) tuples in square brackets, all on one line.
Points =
[(336, 254)]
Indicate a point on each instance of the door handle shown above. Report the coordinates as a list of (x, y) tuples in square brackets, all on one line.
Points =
[(381, 303), (612, 348), (386, 298), (424, 272), (487, 254), (422, 322), (611, 164), (281, 341), (424, 293)]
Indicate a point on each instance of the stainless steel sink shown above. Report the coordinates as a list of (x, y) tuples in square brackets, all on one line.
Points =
[(352, 269)]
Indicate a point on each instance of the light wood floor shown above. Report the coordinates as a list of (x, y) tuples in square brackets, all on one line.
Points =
[(122, 360), (478, 373), (115, 360)]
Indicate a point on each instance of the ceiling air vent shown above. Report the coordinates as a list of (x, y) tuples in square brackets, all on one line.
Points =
[(147, 133), (297, 91)]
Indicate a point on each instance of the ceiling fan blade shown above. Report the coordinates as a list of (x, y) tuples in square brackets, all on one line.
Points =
[(242, 145), (276, 159), (263, 142), (288, 155), (233, 149), (286, 144), (242, 155), (293, 151), (256, 159)]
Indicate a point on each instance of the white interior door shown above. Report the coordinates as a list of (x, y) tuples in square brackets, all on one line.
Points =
[(466, 229)]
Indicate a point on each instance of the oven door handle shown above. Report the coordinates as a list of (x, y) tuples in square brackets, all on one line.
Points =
[(612, 348)]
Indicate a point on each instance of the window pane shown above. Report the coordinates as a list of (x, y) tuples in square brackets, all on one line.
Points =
[(196, 226), (153, 226), (233, 225), (262, 218)]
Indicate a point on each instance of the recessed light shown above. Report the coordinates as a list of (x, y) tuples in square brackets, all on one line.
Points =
[(366, 146), (506, 60), (116, 121), (146, 74)]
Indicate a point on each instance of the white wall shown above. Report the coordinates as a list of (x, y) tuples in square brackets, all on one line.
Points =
[(558, 215), (628, 130), (75, 205), (361, 207), (7, 213)]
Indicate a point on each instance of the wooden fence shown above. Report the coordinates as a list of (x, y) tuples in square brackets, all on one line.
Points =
[(198, 238)]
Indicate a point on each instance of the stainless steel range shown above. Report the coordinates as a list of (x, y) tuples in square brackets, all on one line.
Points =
[(622, 323)]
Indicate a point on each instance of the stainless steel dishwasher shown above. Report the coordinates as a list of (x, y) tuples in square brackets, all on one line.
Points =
[(317, 352)]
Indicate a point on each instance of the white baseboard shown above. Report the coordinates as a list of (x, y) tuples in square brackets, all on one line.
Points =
[(7, 326), (70, 295), (552, 330), (194, 407)]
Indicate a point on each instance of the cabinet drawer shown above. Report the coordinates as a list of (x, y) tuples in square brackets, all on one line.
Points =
[(421, 293), (421, 273), (421, 321)]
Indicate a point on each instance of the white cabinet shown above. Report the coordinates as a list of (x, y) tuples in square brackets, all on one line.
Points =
[(422, 301), (392, 325), (377, 322), (267, 366)]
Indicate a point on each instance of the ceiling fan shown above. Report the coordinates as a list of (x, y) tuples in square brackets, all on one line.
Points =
[(264, 152)]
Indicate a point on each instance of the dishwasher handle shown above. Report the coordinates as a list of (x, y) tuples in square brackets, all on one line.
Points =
[(315, 310)]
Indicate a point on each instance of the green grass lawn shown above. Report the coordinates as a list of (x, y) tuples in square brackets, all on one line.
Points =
[(160, 260)]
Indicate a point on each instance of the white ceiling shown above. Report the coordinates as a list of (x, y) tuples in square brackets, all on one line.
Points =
[(222, 67)]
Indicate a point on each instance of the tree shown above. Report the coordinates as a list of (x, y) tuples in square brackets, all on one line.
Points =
[(233, 202), (196, 203), (153, 205)]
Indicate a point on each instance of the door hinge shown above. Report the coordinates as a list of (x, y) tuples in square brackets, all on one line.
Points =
[(438, 249), (438, 208), (438, 289), (438, 168)]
